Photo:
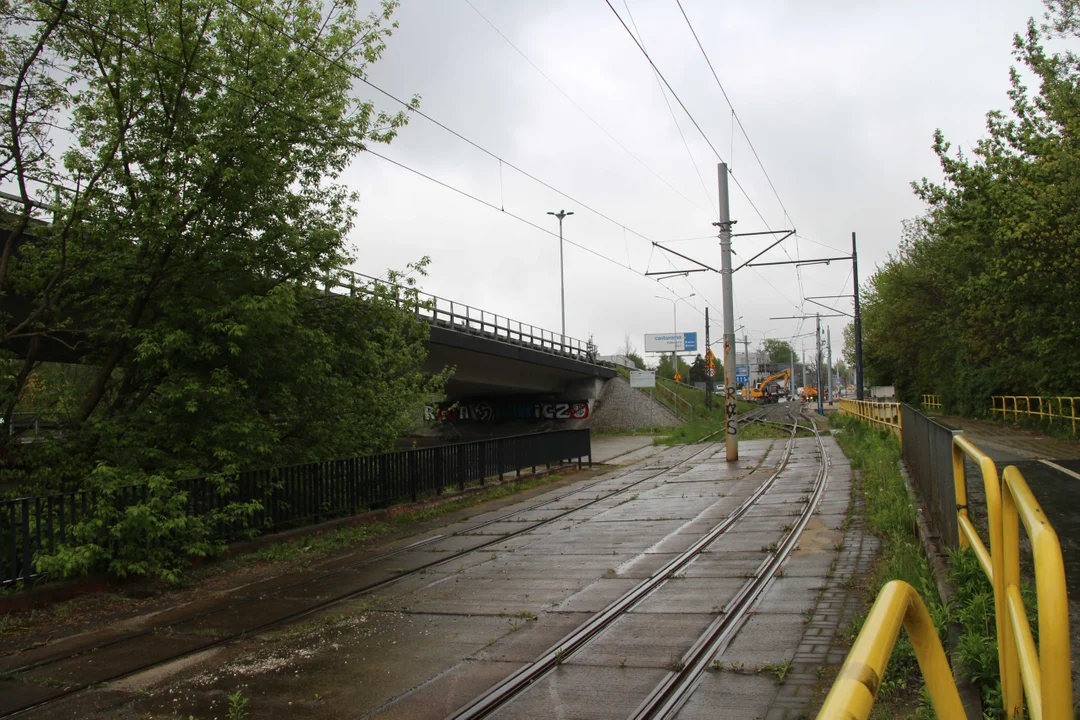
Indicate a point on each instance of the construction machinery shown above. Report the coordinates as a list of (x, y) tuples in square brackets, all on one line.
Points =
[(770, 388), (808, 393)]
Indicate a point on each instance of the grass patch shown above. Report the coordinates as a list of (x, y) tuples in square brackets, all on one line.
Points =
[(890, 514)]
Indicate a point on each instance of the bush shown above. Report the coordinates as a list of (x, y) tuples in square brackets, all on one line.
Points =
[(153, 537)]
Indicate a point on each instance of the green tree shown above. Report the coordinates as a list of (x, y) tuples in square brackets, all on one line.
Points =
[(665, 368), (696, 373), (178, 244), (779, 352), (981, 297)]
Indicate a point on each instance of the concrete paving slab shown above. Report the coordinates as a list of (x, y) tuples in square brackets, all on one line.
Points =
[(792, 595), (531, 638), (730, 696), (361, 663), (585, 693), (644, 565), (622, 449), (94, 667), (644, 640), (244, 617), (766, 638), (595, 597), (483, 596), (721, 564), (745, 539), (653, 508), (17, 695), (445, 693), (691, 595)]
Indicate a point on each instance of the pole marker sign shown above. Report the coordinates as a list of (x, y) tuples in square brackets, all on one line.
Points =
[(671, 342)]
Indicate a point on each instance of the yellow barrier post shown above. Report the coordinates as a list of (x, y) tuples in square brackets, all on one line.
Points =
[(1046, 674), (992, 561), (852, 695)]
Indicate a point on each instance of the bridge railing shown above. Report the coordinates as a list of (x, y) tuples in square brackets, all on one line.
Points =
[(1015, 406), (1040, 677), (931, 402), (465, 318)]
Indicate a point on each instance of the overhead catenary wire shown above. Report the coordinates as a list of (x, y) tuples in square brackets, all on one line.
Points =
[(493, 206), (734, 115), (580, 109), (667, 103), (685, 109), (136, 45), (412, 109)]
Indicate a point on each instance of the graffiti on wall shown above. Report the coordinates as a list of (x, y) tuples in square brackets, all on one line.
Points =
[(488, 411)]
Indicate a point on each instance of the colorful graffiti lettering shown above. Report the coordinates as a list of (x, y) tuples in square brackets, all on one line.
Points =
[(484, 411)]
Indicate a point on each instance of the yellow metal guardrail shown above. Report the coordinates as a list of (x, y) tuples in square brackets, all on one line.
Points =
[(852, 695), (931, 401), (1034, 406), (1042, 677), (882, 415)]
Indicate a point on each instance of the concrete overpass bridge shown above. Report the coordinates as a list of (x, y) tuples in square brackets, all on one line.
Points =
[(493, 355)]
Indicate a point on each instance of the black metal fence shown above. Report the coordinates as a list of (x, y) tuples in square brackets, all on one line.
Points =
[(292, 496), (927, 450)]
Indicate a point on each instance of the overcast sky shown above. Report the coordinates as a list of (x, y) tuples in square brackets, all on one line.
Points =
[(840, 98)]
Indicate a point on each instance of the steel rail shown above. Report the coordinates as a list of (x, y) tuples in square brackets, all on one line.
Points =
[(671, 694), (503, 692), (328, 602)]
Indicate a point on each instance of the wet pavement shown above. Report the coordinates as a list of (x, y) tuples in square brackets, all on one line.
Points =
[(622, 449), (475, 603)]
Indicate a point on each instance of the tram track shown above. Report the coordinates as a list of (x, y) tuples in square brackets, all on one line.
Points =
[(203, 644), (678, 685)]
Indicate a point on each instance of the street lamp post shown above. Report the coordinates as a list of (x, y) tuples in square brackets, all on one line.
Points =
[(674, 325), (562, 283)]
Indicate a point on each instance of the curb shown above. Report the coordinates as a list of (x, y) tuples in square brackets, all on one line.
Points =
[(55, 592)]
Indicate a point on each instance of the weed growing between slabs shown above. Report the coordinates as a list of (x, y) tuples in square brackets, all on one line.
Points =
[(890, 514)]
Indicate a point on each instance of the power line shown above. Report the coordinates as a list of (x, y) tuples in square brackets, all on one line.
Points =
[(671, 112), (579, 108), (411, 108), (495, 207), (94, 28), (733, 113), (688, 113)]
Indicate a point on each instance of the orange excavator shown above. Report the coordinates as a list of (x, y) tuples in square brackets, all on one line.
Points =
[(769, 389)]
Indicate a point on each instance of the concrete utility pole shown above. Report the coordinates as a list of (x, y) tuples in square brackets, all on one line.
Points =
[(820, 408), (746, 359), (708, 378), (857, 325), (802, 353), (828, 334), (562, 283), (730, 405), (791, 380)]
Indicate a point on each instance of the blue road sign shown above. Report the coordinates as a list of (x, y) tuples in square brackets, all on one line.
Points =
[(742, 374), (690, 342)]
